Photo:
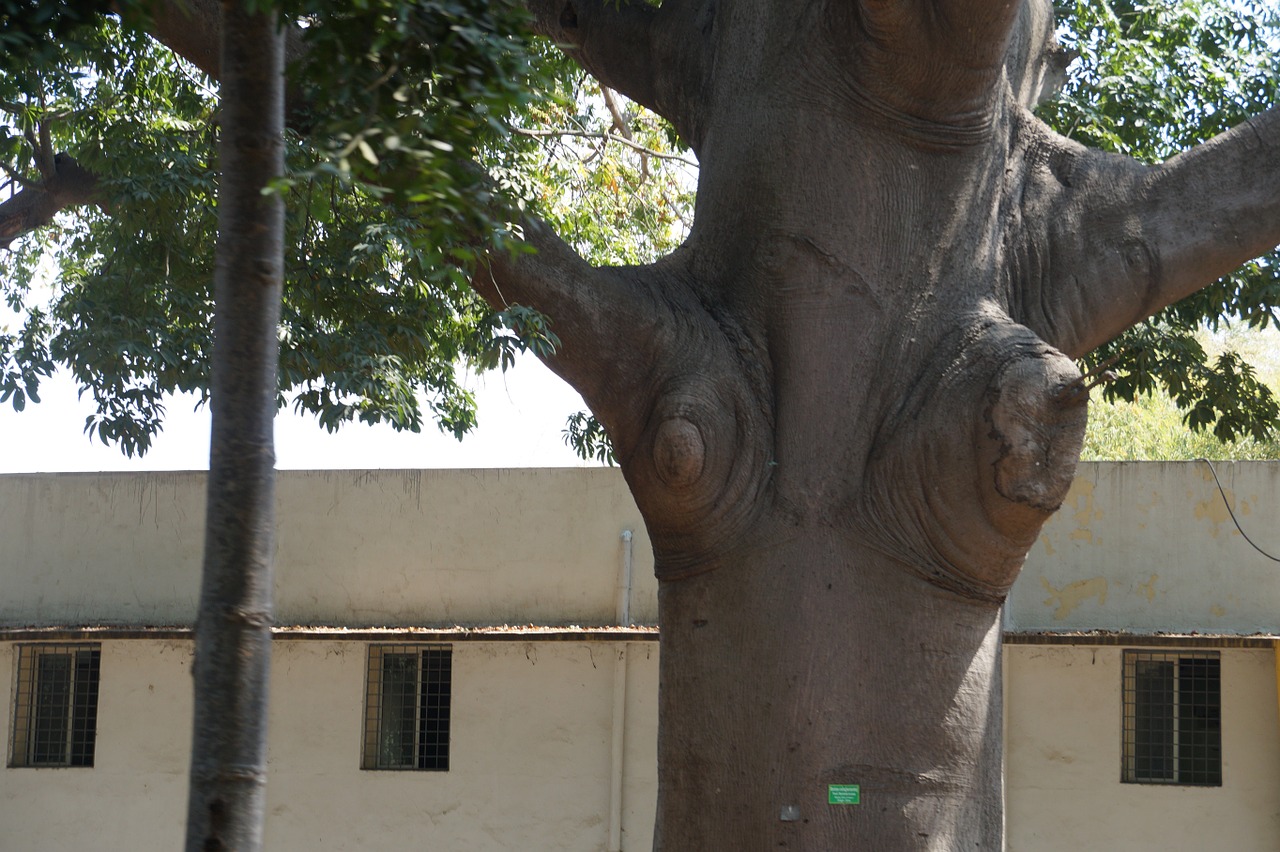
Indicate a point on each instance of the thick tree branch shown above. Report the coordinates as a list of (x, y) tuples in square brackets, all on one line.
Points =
[(612, 40), (1126, 240), (190, 28), (676, 383), (654, 56), (36, 205), (1035, 63), (594, 312)]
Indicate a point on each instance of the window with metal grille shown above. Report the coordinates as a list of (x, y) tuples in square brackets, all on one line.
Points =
[(55, 710), (406, 720), (1172, 718)]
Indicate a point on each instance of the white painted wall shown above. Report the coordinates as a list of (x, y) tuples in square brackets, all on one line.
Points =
[(1141, 547), (529, 755), (1138, 546), (1063, 760), (134, 796)]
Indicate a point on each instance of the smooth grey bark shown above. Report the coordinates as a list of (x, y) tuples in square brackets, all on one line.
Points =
[(233, 628), (846, 405)]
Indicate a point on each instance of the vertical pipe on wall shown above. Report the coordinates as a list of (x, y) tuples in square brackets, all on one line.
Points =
[(624, 581), (619, 698), (1275, 649)]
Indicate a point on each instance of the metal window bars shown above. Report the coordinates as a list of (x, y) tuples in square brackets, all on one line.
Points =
[(1172, 732), (55, 718), (408, 692)]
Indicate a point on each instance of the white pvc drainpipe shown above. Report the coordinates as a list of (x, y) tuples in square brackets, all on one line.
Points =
[(619, 699)]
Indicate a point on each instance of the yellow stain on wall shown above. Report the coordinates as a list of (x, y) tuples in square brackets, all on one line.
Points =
[(1048, 545), (1217, 611), (1072, 595), (1214, 510), (1146, 507), (1082, 501), (1083, 510), (1148, 589)]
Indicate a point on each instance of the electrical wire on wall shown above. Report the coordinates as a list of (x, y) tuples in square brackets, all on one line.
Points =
[(1227, 503)]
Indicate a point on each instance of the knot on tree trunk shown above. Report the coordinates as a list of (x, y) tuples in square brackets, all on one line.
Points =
[(976, 457), (697, 472), (1038, 427), (1029, 439), (678, 452)]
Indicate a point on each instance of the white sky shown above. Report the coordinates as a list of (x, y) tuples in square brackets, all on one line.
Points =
[(522, 416)]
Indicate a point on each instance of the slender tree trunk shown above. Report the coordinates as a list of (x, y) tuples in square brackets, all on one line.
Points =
[(233, 629)]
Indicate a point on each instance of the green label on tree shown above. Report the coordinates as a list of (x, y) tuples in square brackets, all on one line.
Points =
[(844, 794)]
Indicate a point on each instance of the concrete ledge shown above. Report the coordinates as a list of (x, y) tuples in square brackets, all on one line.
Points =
[(1146, 640), (574, 633), (503, 633)]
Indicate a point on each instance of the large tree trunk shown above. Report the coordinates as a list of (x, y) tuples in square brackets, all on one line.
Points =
[(832, 579), (818, 662), (847, 405)]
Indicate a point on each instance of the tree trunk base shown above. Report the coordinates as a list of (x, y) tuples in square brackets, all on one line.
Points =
[(816, 663)]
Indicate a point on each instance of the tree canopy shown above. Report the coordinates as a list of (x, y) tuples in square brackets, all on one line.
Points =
[(418, 131)]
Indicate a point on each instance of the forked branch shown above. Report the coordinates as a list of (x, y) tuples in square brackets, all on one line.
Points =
[(967, 42)]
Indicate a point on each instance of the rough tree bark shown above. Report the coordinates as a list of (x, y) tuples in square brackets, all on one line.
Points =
[(847, 404), (233, 629)]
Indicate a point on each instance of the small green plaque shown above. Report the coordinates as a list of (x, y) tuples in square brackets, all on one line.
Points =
[(844, 794)]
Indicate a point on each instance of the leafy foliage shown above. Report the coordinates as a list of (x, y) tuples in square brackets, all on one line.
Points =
[(32, 28), (1152, 426), (1154, 78), (587, 437), (614, 178), (402, 161), (385, 211)]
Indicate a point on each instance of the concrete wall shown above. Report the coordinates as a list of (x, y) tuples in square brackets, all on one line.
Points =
[(1063, 760), (529, 755), (354, 548), (1141, 547), (1150, 546), (1138, 547)]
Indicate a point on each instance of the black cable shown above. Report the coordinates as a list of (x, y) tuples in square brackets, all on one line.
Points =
[(1227, 503)]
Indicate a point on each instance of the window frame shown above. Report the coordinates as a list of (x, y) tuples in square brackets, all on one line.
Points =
[(429, 746), (75, 739), (1183, 724)]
